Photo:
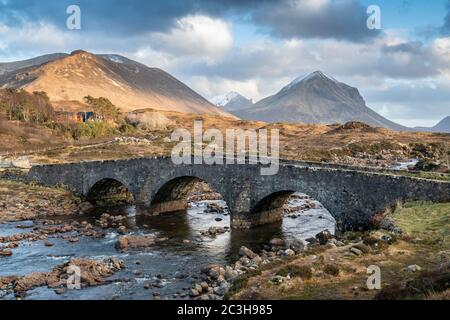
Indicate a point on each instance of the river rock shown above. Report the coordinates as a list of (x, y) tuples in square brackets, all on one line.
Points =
[(122, 230), (276, 242), (362, 247), (213, 231), (289, 252), (85, 207), (29, 281), (204, 285), (246, 262), (356, 251), (194, 293), (214, 208), (6, 253), (6, 282), (73, 239), (92, 272), (135, 242), (246, 252), (297, 245), (147, 285), (324, 236), (137, 272), (198, 287), (60, 291), (230, 273), (277, 279), (414, 268), (312, 241), (389, 225), (257, 260)]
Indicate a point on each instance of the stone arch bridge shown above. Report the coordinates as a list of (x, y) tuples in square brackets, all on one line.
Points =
[(352, 196)]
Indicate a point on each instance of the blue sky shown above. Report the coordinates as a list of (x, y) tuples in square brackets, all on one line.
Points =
[(257, 46), (410, 14)]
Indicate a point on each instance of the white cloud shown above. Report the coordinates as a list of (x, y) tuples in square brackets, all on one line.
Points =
[(211, 87), (31, 35), (197, 36), (441, 47)]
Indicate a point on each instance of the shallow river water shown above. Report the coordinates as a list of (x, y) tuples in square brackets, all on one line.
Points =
[(173, 264)]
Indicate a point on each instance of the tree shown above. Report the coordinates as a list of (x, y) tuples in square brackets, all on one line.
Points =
[(104, 109), (23, 106)]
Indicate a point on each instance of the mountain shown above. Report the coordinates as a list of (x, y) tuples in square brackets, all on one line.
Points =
[(13, 66), (232, 101), (316, 98), (130, 85), (442, 126)]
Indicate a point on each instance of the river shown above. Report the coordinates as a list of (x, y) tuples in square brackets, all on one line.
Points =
[(172, 265)]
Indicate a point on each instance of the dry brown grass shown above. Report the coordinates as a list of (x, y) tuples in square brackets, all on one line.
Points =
[(364, 146)]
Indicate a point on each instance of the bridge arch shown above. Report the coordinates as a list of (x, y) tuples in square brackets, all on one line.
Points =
[(109, 191), (272, 201), (271, 207), (175, 194)]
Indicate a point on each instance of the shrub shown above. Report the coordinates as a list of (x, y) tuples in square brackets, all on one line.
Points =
[(104, 109), (427, 165), (93, 129), (331, 269), (303, 272)]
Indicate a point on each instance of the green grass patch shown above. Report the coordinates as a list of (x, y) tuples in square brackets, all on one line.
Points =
[(425, 220)]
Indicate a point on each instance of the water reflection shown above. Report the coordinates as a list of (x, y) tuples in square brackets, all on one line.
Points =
[(306, 218)]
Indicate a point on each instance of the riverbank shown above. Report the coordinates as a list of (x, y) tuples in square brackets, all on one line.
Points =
[(414, 264)]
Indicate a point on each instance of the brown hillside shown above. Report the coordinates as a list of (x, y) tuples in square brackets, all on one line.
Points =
[(128, 84)]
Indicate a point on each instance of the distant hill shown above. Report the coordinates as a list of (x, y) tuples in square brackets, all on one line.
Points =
[(442, 126), (130, 85), (17, 65), (232, 101), (316, 99)]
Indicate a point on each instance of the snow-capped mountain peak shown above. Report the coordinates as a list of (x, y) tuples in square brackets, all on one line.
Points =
[(224, 99), (232, 101)]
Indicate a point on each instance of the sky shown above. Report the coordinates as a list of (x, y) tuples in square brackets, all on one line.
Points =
[(256, 47)]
